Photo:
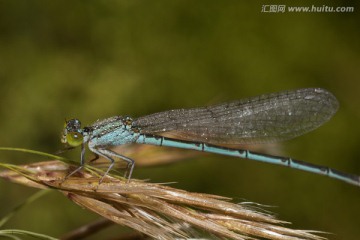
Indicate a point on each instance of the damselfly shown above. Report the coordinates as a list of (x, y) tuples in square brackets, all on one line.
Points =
[(262, 119)]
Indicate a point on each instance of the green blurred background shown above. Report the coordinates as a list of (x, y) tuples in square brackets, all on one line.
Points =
[(95, 59)]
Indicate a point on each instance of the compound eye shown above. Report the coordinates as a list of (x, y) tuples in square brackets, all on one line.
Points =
[(74, 139)]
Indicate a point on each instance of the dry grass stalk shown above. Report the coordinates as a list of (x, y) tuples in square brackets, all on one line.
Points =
[(156, 210)]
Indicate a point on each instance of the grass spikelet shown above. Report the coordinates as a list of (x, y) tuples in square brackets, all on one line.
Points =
[(155, 210)]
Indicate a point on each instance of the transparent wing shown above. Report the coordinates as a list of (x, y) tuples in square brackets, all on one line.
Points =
[(265, 118)]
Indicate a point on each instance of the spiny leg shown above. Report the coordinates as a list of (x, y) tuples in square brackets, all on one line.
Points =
[(82, 162), (108, 154), (95, 158)]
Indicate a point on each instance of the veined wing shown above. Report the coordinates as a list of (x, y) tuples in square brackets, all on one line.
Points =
[(265, 118)]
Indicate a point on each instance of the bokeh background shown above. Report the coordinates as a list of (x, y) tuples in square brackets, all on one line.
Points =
[(95, 59)]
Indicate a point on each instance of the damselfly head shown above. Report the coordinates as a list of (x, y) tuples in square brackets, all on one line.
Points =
[(72, 133)]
